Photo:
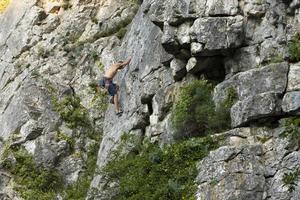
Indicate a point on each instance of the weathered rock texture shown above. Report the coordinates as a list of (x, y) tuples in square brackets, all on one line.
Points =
[(242, 38), (47, 50), (250, 165), (51, 52)]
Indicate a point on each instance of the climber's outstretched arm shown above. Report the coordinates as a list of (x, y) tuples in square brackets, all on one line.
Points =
[(122, 64)]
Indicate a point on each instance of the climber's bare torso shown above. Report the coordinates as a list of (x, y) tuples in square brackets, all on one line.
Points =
[(113, 88), (112, 71)]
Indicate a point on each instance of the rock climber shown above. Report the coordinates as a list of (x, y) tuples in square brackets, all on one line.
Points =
[(112, 88)]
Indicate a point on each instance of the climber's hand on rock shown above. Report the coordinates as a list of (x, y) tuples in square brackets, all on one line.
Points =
[(123, 64), (127, 62)]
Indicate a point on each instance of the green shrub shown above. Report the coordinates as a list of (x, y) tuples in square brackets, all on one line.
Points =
[(42, 52), (93, 86), (291, 129), (294, 49), (278, 58), (95, 55), (290, 179), (121, 33), (155, 173), (100, 99), (74, 113), (101, 66), (137, 2), (66, 4), (71, 111), (194, 112), (32, 181), (75, 50), (71, 141)]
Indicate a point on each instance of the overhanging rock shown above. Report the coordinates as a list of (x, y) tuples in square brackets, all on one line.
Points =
[(255, 107), (270, 78), (217, 33)]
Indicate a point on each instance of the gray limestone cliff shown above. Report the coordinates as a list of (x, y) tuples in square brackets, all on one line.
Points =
[(53, 119)]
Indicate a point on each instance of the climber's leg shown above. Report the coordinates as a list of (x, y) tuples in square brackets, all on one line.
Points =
[(113, 90), (116, 102)]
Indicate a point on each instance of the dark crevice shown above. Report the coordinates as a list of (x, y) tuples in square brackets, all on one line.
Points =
[(287, 79), (147, 99), (221, 15), (150, 108), (145, 120), (264, 121), (158, 24), (215, 72)]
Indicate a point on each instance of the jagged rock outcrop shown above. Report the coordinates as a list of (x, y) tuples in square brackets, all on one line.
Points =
[(251, 165), (231, 40), (51, 55), (50, 58)]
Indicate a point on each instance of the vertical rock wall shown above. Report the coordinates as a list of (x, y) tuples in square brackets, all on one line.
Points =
[(49, 64), (236, 44), (53, 51)]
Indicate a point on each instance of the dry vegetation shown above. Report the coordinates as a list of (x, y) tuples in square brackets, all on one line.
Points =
[(3, 5)]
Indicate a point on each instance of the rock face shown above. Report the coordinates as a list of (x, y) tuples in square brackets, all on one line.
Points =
[(217, 33), (51, 56), (255, 100), (251, 168), (218, 37)]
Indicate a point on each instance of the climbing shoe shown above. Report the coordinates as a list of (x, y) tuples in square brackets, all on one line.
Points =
[(119, 113)]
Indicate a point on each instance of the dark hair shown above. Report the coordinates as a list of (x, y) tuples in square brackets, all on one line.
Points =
[(120, 61)]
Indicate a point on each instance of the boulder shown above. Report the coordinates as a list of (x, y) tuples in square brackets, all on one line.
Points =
[(255, 8), (231, 173), (168, 39), (49, 150), (197, 8), (183, 35), (196, 48), (172, 11), (217, 33), (294, 77), (291, 102), (222, 7), (255, 107), (178, 69), (270, 78), (161, 103), (161, 132), (71, 167), (31, 130)]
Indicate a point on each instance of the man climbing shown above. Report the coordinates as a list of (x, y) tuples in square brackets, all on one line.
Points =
[(112, 88)]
